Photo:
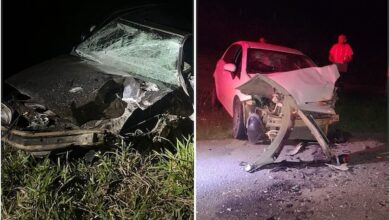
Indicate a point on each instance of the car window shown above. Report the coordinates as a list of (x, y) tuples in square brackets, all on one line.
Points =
[(234, 55), (136, 49), (237, 62), (231, 54), (267, 61)]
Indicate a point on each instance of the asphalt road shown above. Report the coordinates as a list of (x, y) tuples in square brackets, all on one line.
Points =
[(307, 189)]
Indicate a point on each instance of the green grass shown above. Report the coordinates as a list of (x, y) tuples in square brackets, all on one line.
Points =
[(214, 124), (363, 113), (122, 184)]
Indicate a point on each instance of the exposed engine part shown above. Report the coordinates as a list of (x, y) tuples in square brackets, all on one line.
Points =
[(273, 121), (261, 101), (265, 118), (6, 115), (271, 134), (277, 99), (38, 122)]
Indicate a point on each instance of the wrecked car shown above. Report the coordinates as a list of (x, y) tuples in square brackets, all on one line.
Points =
[(131, 77), (274, 93)]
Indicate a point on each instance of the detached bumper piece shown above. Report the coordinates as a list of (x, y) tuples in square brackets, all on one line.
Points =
[(272, 151), (53, 140)]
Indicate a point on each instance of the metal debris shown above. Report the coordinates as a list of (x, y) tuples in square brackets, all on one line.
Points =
[(76, 89), (342, 167), (6, 115)]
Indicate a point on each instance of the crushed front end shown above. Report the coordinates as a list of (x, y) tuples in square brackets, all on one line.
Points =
[(285, 103)]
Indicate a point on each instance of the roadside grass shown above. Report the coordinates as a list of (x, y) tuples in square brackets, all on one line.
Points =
[(213, 123), (363, 113), (121, 184)]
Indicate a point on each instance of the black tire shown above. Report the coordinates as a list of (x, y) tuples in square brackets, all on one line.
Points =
[(255, 129), (239, 131)]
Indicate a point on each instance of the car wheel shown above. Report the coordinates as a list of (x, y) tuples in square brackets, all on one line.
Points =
[(238, 120), (255, 129)]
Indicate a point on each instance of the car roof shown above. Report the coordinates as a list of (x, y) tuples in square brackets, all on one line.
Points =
[(267, 46)]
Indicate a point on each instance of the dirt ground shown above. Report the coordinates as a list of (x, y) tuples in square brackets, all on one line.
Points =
[(301, 188)]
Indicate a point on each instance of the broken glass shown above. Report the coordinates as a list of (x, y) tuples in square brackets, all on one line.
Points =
[(135, 49)]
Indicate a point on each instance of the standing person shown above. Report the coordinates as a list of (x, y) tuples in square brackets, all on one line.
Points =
[(341, 54)]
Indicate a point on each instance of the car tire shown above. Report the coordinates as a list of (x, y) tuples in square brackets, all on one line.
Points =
[(255, 129), (238, 120)]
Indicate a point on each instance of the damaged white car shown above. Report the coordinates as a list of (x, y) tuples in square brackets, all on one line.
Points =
[(274, 93), (131, 77)]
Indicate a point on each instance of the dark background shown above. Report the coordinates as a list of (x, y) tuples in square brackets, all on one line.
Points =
[(34, 31), (309, 26)]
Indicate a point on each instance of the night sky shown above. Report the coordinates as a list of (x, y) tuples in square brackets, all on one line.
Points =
[(309, 26), (34, 31)]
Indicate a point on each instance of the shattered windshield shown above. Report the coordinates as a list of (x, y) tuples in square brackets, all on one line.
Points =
[(267, 61), (136, 49)]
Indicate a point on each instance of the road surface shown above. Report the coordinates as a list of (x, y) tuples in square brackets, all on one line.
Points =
[(301, 190)]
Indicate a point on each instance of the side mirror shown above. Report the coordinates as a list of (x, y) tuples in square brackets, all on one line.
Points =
[(230, 67)]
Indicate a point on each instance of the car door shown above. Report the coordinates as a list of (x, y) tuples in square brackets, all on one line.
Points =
[(230, 80)]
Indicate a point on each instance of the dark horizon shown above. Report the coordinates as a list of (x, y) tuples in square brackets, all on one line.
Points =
[(37, 31), (309, 26)]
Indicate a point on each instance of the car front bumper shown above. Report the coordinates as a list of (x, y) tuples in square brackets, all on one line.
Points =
[(52, 140)]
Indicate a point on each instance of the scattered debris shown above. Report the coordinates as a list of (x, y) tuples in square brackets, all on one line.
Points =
[(342, 167), (295, 188), (243, 163), (76, 89), (297, 148)]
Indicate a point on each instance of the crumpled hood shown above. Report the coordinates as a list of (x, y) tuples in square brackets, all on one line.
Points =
[(80, 90), (307, 86)]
